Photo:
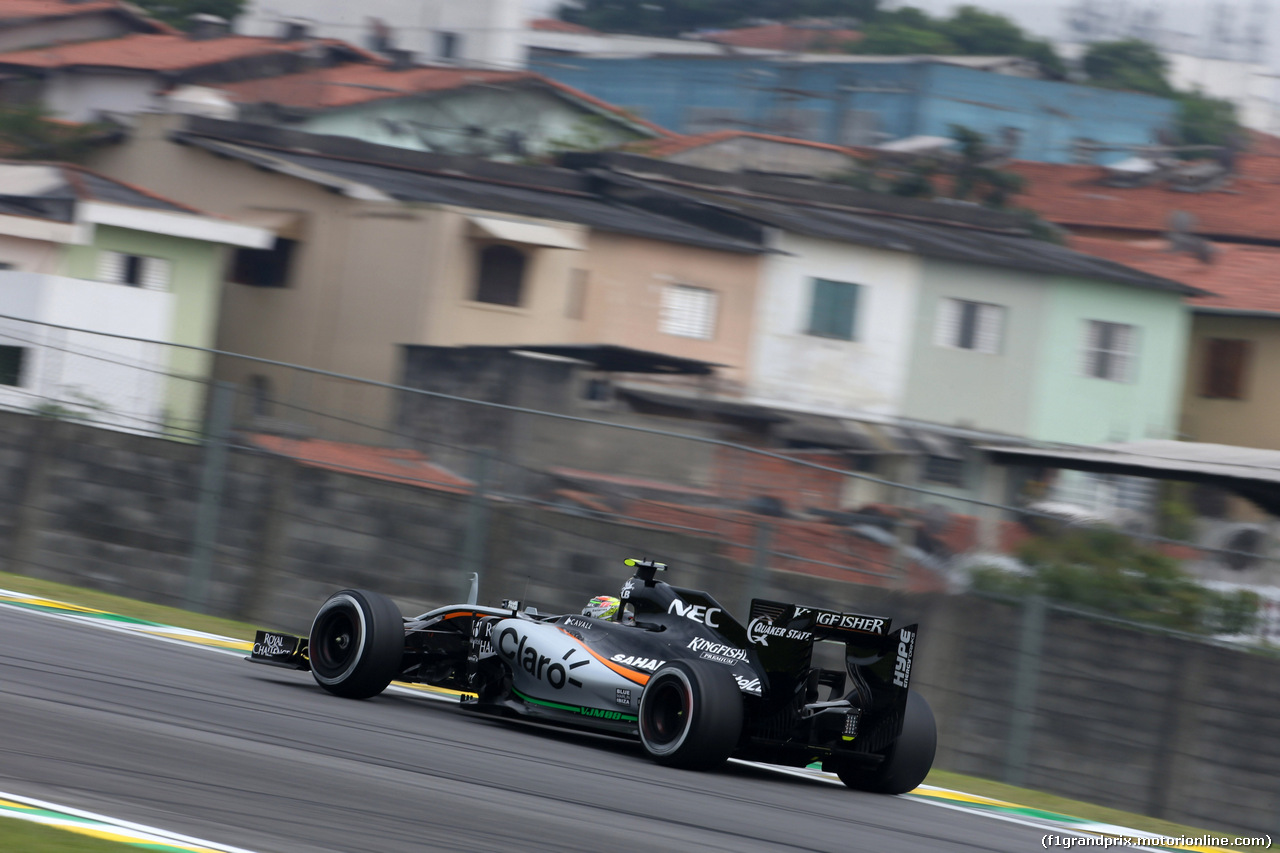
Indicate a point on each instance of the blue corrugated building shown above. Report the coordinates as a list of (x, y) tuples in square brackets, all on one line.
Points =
[(866, 100)]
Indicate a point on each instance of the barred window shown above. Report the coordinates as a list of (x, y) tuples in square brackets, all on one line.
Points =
[(688, 312), (133, 270), (1109, 351), (976, 326)]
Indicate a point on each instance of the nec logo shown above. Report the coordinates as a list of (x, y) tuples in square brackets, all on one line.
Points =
[(696, 612)]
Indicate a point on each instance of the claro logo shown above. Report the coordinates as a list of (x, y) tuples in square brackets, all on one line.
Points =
[(902, 669), (512, 645), (696, 612)]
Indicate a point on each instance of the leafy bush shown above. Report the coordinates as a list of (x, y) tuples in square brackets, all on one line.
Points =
[(1108, 572)]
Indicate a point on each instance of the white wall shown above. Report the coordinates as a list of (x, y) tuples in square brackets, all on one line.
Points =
[(489, 29), (67, 368), (865, 376), (81, 97)]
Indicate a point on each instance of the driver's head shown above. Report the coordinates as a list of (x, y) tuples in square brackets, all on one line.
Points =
[(602, 607)]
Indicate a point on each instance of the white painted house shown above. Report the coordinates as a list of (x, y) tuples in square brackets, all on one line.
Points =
[(477, 33), (97, 280)]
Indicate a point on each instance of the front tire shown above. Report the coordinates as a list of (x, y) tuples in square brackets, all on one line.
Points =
[(906, 762), (356, 643), (691, 715)]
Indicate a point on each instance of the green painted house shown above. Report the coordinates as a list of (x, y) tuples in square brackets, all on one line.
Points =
[(98, 280)]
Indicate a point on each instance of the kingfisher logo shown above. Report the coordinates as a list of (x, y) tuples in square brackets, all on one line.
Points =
[(718, 652), (851, 622)]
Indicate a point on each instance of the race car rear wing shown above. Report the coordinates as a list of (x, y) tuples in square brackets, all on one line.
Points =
[(877, 660)]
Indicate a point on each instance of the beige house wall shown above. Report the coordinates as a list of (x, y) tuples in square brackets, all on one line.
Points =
[(369, 276), (1253, 421), (626, 277)]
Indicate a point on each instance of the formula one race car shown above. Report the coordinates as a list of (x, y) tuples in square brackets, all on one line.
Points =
[(670, 666)]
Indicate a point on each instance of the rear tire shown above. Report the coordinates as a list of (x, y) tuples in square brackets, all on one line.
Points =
[(356, 644), (908, 759), (691, 715)]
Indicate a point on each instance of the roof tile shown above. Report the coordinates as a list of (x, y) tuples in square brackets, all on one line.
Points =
[(1073, 196), (346, 85), (160, 52), (1241, 278), (788, 37)]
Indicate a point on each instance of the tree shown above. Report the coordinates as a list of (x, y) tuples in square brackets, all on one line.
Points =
[(978, 33), (897, 39), (1130, 64), (968, 32), (1109, 572), (1204, 120), (178, 12), (672, 17), (29, 132)]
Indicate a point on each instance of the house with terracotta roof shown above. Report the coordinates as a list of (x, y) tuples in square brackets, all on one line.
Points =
[(81, 81), (802, 36), (92, 270), (1222, 237), (746, 151), (511, 115), (474, 33), (382, 247), (35, 23)]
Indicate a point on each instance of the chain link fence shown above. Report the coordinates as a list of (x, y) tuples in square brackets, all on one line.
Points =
[(257, 498)]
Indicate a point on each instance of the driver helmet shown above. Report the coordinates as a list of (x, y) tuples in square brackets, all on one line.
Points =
[(602, 607)]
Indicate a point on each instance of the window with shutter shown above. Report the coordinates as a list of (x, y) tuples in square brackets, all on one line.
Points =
[(155, 274), (1109, 351), (111, 267), (834, 312), (1225, 365), (962, 324), (133, 270), (688, 312)]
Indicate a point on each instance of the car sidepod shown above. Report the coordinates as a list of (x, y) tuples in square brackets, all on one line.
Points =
[(555, 673)]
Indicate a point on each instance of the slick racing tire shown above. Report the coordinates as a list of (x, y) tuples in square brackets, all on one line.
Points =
[(356, 644), (691, 715), (906, 761)]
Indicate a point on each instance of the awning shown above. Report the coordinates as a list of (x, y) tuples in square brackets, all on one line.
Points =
[(289, 224), (937, 444), (838, 433), (1253, 473), (527, 233), (619, 359)]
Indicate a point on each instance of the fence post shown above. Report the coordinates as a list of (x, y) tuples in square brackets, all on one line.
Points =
[(477, 519), (759, 564), (1026, 674), (213, 477)]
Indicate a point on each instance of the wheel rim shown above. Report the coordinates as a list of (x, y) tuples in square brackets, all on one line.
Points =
[(666, 713), (339, 642)]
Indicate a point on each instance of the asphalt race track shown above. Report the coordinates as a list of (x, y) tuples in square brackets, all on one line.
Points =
[(205, 744)]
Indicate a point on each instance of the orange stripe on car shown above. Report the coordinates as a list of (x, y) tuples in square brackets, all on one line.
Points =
[(640, 678)]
